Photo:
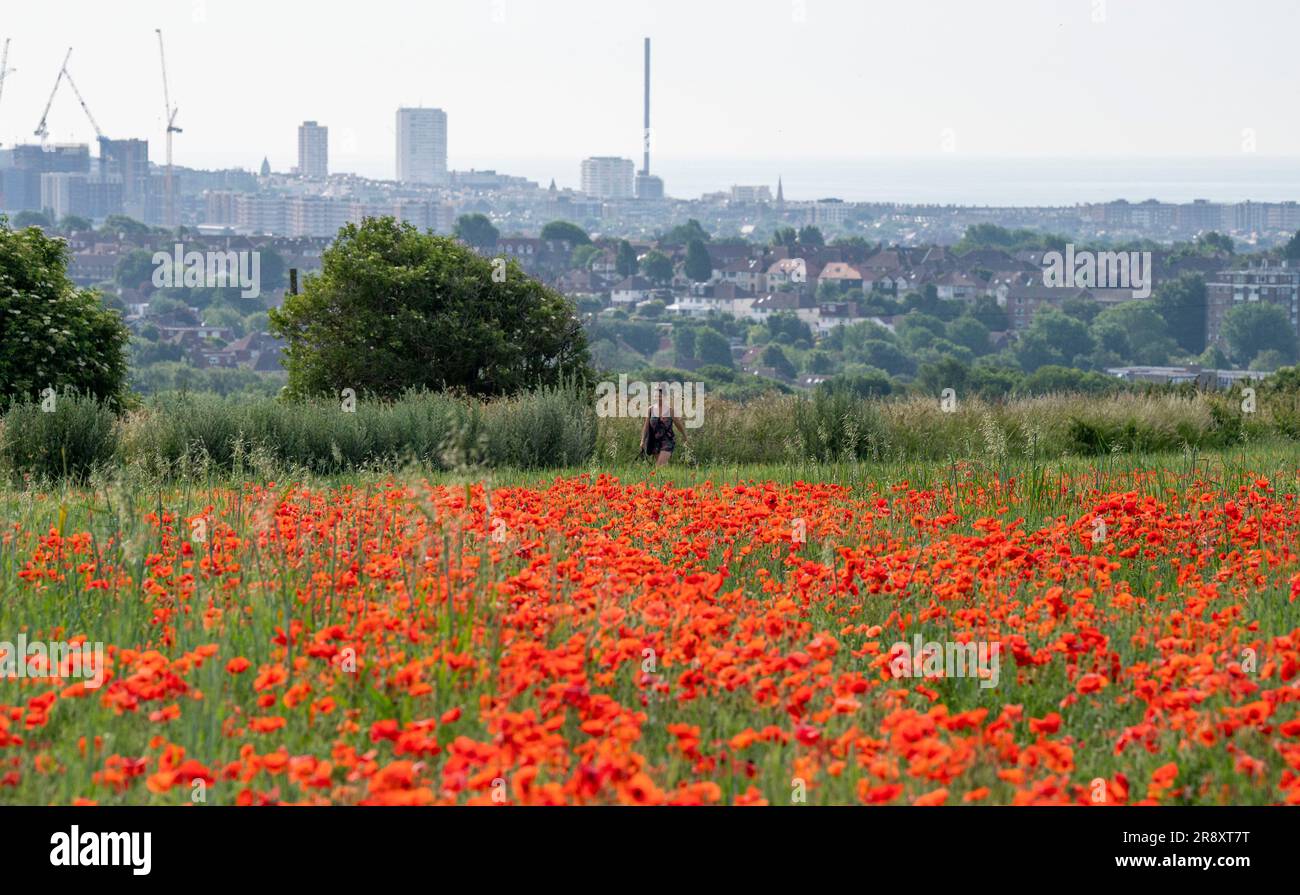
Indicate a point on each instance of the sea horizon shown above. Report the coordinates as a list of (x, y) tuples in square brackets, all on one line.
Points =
[(944, 179)]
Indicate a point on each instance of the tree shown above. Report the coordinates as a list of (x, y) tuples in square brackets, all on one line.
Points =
[(272, 269), (1291, 251), (775, 358), (1053, 339), (1053, 379), (992, 382), (993, 236), (868, 382), (699, 266), (75, 224), (945, 373), (625, 262), (1268, 361), (991, 314), (477, 231), (788, 328), (26, 219), (124, 227), (394, 309), (785, 236), (224, 315), (1254, 327), (684, 346), (134, 269), (657, 267), (580, 258), (831, 291), (1214, 243), (1136, 332), (1213, 358), (887, 357), (683, 234), (820, 362), (54, 335), (918, 330), (563, 230), (1080, 308), (811, 236), (967, 330), (711, 347), (1182, 304)]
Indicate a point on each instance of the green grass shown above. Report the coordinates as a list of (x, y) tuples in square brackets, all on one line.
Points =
[(112, 505)]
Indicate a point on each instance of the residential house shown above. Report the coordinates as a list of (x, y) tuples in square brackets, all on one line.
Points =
[(632, 290)]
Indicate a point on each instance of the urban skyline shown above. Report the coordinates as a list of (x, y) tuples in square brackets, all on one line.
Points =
[(561, 100)]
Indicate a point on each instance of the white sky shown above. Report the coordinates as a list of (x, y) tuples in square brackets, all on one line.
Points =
[(737, 79)]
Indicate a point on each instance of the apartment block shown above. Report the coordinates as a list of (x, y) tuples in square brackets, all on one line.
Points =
[(607, 177), (1277, 283)]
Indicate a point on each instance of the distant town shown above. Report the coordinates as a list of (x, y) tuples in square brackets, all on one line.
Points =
[(743, 280)]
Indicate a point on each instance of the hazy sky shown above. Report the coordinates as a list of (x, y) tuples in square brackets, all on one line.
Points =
[(733, 79)]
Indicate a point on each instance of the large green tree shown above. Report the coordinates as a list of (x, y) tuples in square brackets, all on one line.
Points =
[(711, 348), (699, 266), (1291, 250), (52, 334), (682, 234), (1182, 304), (477, 230), (811, 236), (134, 269), (1134, 331), (1053, 339), (566, 231), (657, 267), (1254, 327), (625, 262), (394, 309)]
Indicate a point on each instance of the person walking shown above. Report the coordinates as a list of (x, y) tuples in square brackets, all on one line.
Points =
[(658, 439)]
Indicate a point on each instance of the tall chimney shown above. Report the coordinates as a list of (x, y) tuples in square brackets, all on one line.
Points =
[(646, 168)]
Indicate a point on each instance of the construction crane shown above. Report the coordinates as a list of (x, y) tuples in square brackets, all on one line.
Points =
[(169, 115), (5, 70), (73, 84), (41, 130)]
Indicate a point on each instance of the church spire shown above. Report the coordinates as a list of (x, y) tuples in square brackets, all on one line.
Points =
[(780, 192)]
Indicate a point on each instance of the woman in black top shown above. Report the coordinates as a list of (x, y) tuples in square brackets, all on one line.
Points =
[(657, 438)]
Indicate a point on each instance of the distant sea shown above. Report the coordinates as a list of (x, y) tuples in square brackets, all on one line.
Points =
[(958, 180), (940, 179), (964, 180)]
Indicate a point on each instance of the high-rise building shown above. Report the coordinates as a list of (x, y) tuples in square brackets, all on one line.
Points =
[(129, 161), (65, 193), (422, 146), (607, 177), (20, 173), (313, 150)]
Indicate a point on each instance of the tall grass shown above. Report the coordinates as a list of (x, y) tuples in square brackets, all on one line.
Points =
[(66, 441), (840, 428), (177, 436)]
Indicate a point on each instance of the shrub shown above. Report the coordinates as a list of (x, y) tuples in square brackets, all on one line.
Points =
[(78, 436), (548, 427)]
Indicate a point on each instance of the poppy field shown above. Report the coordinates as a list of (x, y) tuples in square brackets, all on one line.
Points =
[(737, 637)]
